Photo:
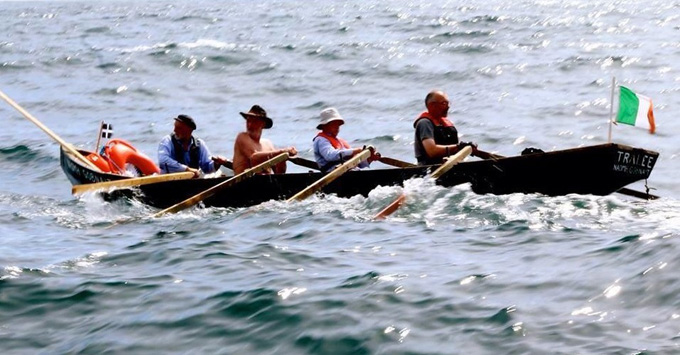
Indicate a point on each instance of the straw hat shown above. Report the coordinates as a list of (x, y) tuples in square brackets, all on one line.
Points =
[(259, 112), (329, 115)]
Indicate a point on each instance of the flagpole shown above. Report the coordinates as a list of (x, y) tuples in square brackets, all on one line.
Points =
[(611, 110), (99, 137)]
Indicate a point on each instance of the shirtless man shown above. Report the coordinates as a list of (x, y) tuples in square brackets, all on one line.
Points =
[(250, 149)]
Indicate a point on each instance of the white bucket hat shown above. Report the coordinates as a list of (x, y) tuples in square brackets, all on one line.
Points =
[(328, 115)]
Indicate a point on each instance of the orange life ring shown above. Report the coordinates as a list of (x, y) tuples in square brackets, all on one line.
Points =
[(101, 162), (120, 153)]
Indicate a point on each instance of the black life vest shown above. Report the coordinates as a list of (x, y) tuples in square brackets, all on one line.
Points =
[(194, 152), (445, 133)]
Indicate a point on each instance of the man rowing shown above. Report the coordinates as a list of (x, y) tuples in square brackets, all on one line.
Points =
[(250, 149), (331, 150), (436, 137), (180, 151)]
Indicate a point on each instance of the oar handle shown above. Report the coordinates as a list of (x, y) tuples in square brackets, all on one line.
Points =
[(451, 161)]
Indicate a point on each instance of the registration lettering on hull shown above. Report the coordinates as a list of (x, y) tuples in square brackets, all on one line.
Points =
[(634, 163)]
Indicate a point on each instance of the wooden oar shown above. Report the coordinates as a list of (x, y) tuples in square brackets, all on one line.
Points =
[(328, 178), (443, 169), (486, 155), (49, 132), (638, 194), (145, 180), (404, 164), (304, 162), (230, 182), (396, 162), (385, 160), (294, 159), (229, 165)]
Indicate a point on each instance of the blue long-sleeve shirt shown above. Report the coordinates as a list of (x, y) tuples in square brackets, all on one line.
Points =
[(324, 153), (168, 163)]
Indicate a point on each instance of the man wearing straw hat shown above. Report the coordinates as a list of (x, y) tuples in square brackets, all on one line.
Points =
[(250, 149), (331, 150)]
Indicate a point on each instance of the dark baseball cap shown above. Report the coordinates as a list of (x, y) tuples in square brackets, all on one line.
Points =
[(187, 120)]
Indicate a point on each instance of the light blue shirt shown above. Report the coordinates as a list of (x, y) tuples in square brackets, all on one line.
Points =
[(168, 163), (324, 153)]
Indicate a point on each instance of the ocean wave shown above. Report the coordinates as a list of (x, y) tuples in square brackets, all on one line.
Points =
[(13, 66), (286, 47), (470, 48), (464, 34), (138, 91), (518, 273), (504, 215), (25, 163), (200, 43), (20, 153), (74, 60), (110, 65), (14, 272), (360, 281), (483, 19), (211, 43), (513, 214), (193, 17), (225, 59), (325, 54), (98, 29)]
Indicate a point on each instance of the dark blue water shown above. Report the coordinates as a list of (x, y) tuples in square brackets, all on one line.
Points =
[(450, 272)]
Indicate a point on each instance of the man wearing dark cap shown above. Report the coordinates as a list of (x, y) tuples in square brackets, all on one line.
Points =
[(251, 149), (180, 151)]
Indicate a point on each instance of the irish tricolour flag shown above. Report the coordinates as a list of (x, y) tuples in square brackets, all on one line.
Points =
[(635, 110)]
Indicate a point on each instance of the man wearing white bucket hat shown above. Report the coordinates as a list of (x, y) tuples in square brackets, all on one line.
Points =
[(331, 150)]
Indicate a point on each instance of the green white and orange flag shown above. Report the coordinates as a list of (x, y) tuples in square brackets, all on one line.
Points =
[(635, 110)]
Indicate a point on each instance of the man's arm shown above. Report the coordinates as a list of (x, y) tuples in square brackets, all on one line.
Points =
[(330, 153), (425, 132), (268, 152), (435, 150), (205, 163)]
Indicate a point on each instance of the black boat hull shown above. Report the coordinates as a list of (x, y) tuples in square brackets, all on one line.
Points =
[(598, 170)]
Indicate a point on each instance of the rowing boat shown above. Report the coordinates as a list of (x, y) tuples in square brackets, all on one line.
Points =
[(597, 170)]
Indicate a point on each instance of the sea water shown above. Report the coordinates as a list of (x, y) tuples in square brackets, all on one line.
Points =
[(450, 272)]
